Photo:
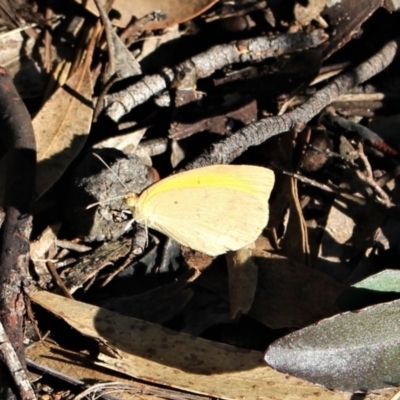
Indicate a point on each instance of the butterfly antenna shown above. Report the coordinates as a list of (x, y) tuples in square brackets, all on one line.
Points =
[(119, 179), (104, 201)]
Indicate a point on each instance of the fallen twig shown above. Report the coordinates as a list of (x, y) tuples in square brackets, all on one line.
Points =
[(254, 134), (203, 65), (19, 139), (362, 131)]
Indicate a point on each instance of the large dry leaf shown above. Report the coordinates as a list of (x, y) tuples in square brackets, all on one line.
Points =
[(79, 366), (177, 11), (153, 353), (61, 128)]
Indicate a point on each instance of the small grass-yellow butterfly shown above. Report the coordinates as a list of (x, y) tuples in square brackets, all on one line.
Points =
[(211, 209)]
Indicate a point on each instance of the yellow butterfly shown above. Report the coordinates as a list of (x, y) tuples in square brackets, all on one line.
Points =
[(212, 209)]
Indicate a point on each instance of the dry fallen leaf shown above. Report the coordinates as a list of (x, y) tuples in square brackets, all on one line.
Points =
[(121, 60), (177, 11), (243, 274), (78, 366), (304, 14), (45, 247), (61, 128), (152, 352)]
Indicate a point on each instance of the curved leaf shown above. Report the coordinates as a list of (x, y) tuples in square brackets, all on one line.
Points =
[(350, 351), (61, 128)]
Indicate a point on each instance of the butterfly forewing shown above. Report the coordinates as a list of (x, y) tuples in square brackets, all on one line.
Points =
[(212, 209)]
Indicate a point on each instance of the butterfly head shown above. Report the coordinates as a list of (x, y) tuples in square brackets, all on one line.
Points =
[(131, 200)]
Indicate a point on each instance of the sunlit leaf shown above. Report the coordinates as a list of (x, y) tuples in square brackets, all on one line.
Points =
[(350, 351)]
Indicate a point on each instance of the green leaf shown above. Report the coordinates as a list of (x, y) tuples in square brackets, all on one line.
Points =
[(350, 351)]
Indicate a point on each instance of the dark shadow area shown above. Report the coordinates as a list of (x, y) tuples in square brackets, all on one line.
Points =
[(287, 293)]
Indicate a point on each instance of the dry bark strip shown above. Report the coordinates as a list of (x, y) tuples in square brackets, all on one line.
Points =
[(15, 368), (18, 137)]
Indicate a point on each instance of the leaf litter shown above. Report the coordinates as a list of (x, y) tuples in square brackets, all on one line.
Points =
[(235, 77)]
